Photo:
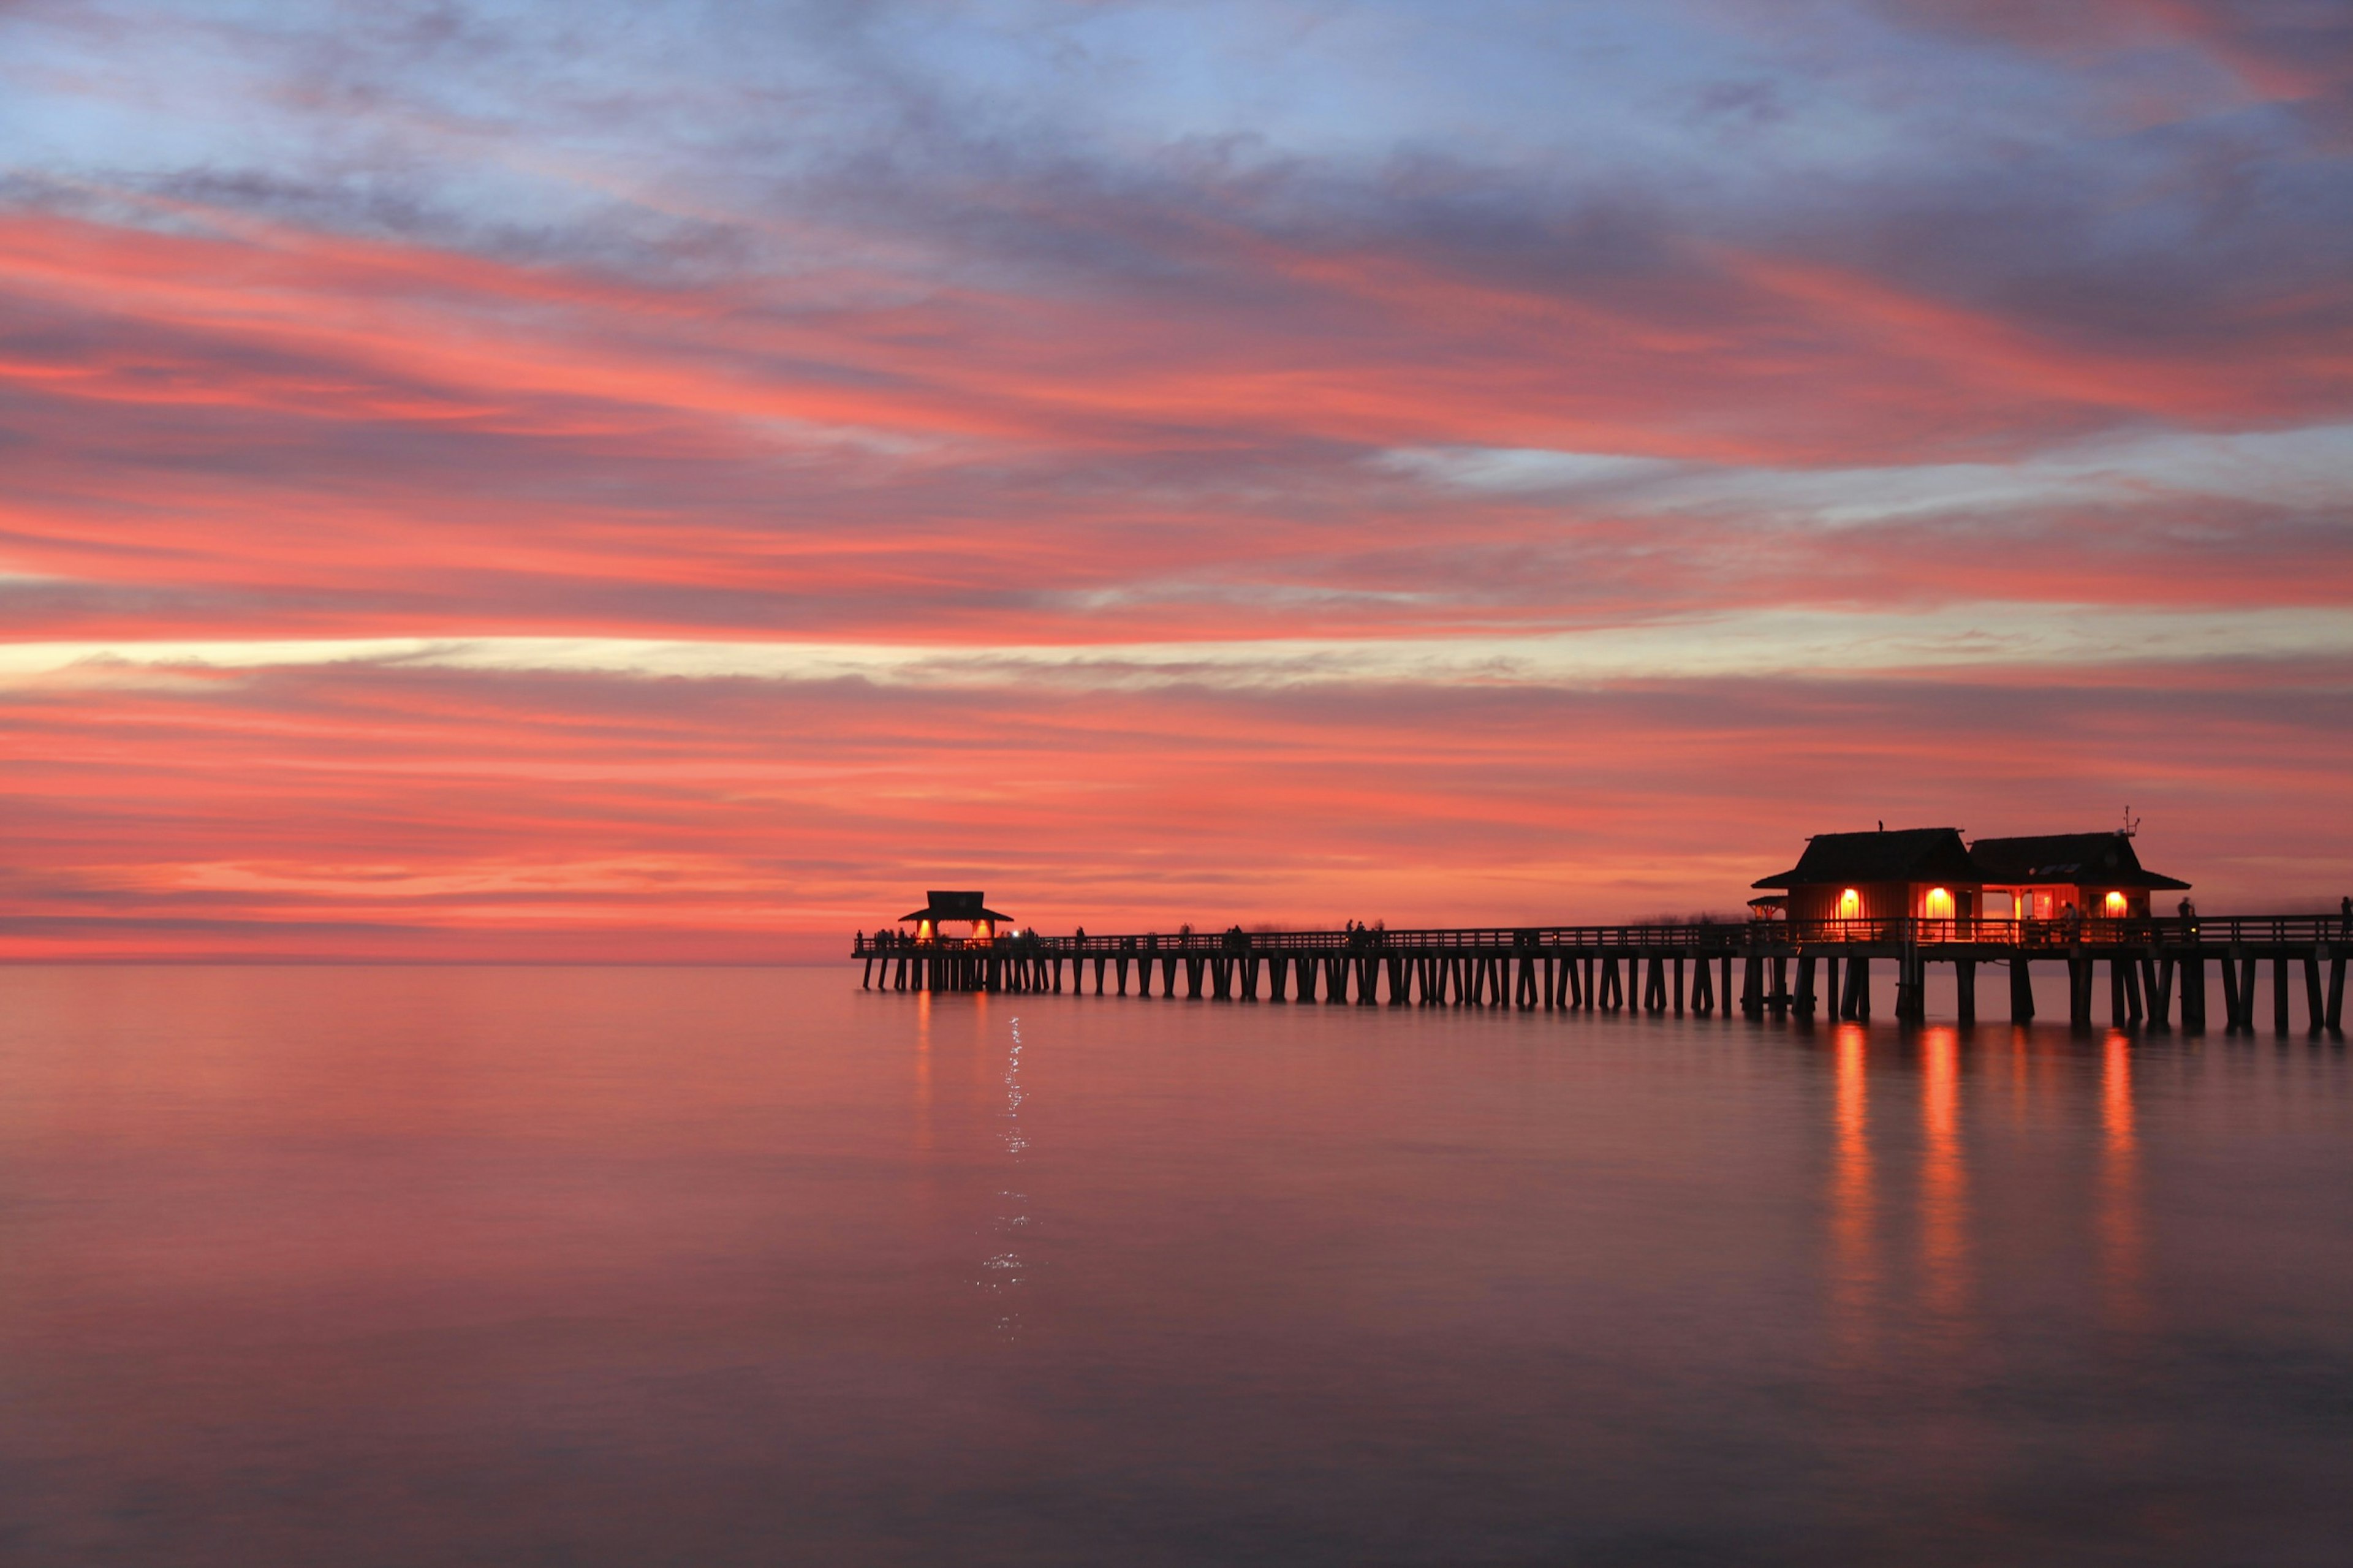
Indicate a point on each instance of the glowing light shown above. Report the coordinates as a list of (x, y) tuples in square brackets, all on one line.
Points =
[(1850, 904), (2114, 904), (1938, 904)]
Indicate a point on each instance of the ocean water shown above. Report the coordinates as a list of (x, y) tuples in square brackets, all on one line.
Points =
[(408, 1266)]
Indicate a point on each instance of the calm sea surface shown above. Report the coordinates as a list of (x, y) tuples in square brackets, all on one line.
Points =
[(635, 1267)]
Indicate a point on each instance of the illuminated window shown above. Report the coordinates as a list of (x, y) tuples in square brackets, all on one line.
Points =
[(2114, 904), (1850, 904), (1938, 904)]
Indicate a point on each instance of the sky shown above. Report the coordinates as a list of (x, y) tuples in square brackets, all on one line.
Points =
[(598, 482)]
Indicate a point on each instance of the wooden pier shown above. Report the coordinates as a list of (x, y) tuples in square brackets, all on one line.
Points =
[(1764, 968)]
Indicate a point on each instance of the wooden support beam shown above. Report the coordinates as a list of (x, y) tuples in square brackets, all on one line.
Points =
[(1802, 1003), (2279, 993), (1911, 974), (1964, 992), (2156, 971), (2337, 990), (2315, 1012), (1679, 986)]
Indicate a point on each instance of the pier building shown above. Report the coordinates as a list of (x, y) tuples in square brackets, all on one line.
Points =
[(942, 909), (2039, 878), (1923, 872)]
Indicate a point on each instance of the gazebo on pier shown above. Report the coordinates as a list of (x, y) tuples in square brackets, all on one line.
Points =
[(969, 909)]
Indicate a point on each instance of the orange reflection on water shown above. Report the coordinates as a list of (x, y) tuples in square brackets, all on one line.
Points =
[(2115, 1097), (1854, 1275), (1943, 1177), (2121, 1241)]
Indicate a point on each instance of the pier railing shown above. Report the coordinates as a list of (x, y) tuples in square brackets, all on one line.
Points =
[(1695, 937)]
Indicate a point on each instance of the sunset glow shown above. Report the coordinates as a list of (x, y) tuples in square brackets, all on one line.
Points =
[(650, 482)]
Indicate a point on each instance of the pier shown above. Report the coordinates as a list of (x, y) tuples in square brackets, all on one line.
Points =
[(1777, 968)]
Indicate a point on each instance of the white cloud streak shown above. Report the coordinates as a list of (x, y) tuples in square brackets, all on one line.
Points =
[(1771, 642)]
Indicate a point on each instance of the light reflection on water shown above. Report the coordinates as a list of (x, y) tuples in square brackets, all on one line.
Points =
[(1854, 1208), (1944, 1187), (1002, 1272), (2120, 1215), (622, 1266)]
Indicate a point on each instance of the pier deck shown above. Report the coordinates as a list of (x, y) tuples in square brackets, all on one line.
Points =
[(1784, 969)]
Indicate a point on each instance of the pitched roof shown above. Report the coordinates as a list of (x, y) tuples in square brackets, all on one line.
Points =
[(2105, 858), (955, 907), (1906, 854)]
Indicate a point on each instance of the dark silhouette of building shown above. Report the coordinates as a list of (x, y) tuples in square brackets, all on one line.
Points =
[(965, 909), (1917, 872), (2039, 877), (1928, 873)]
